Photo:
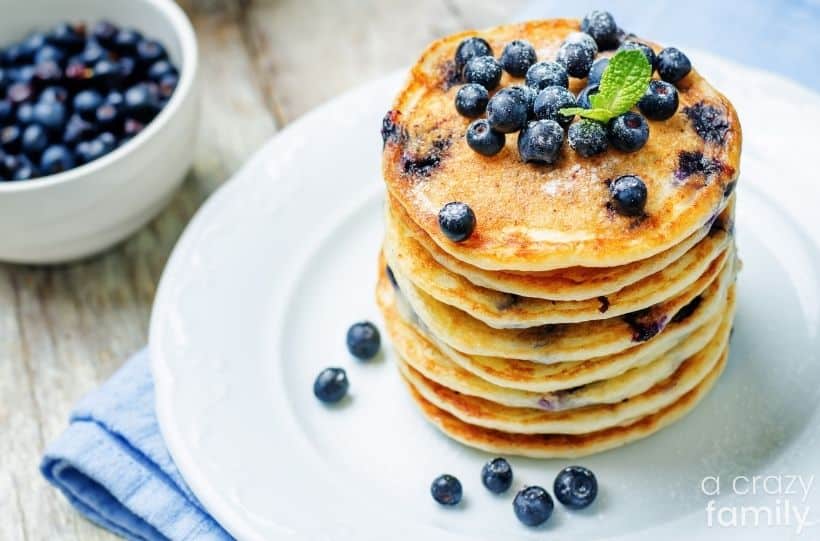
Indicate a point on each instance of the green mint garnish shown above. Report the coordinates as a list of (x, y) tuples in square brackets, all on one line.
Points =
[(623, 83)]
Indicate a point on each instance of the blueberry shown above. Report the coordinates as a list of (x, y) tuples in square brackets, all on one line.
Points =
[(77, 73), (673, 65), (644, 48), (128, 68), (104, 32), (86, 103), (544, 74), (517, 57), (331, 385), (49, 53), (77, 130), (457, 221), (507, 111), (628, 195), (497, 475), (533, 506), (93, 53), (11, 138), (35, 140), (660, 100), (597, 71), (107, 116), (576, 57), (88, 151), (23, 74), (550, 101), (601, 26), (168, 83), (25, 171), (32, 44), (483, 139), (141, 102), (541, 141), (471, 100), (575, 487), (149, 51), (584, 95), (67, 36), (54, 93), (471, 48), (6, 111), (19, 93), (132, 127), (587, 137), (25, 114), (584, 39), (56, 159), (446, 490), (107, 74), (628, 132), (160, 69), (126, 40), (14, 55), (50, 114), (363, 340), (528, 95), (483, 70)]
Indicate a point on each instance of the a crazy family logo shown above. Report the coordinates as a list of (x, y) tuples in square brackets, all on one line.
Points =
[(760, 501)]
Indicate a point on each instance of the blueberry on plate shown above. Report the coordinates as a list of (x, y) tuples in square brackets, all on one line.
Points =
[(507, 111), (35, 140), (483, 70), (628, 195), (517, 57), (550, 101), (673, 65), (644, 48), (471, 48), (86, 103), (471, 100), (660, 100), (583, 38), (446, 490), (584, 95), (528, 95), (497, 475), (544, 74), (483, 139), (597, 71), (56, 159), (533, 506), (576, 57), (587, 137), (363, 340), (628, 132), (575, 487), (331, 385), (541, 141), (457, 221), (601, 26)]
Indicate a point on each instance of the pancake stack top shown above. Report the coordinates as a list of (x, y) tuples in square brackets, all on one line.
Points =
[(557, 324)]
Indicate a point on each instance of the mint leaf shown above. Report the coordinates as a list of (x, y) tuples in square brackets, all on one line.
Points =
[(601, 115)]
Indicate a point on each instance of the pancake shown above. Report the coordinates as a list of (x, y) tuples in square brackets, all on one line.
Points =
[(534, 217), (505, 311), (558, 343), (570, 284), (564, 445)]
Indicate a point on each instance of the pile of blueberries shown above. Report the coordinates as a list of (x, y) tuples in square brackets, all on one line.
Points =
[(73, 94), (575, 487), (533, 108)]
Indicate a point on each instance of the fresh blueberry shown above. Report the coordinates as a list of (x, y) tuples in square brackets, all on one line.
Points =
[(483, 139), (104, 32), (644, 48), (584, 39), (107, 116), (497, 475), (54, 93), (14, 55), (533, 506), (108, 140), (507, 111), (483, 70), (93, 53), (35, 140), (597, 71), (25, 171), (56, 159), (77, 130), (660, 100), (446, 490), (86, 103), (19, 93), (601, 26), (128, 68), (23, 74), (363, 340), (11, 138), (25, 114), (540, 141), (673, 65), (107, 74), (167, 85), (331, 385), (544, 74), (584, 95), (457, 221), (141, 102), (88, 151), (50, 114), (550, 101), (47, 73), (576, 57), (160, 69), (628, 195), (471, 100), (33, 43), (628, 132), (149, 51), (471, 48), (6, 111), (575, 487), (517, 57), (67, 36), (126, 40), (49, 53), (528, 95), (587, 137)]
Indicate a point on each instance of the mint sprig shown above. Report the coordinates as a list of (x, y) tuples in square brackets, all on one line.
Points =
[(623, 83)]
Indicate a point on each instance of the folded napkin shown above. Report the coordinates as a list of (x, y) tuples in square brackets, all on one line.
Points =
[(112, 465)]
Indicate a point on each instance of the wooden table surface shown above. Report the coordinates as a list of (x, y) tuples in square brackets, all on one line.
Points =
[(64, 330)]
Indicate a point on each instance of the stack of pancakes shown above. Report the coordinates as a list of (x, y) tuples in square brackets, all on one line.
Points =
[(559, 327)]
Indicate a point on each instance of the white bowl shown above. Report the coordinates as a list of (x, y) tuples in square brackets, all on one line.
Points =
[(82, 211)]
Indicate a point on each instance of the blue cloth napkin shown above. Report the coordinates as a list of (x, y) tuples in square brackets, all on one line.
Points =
[(112, 465)]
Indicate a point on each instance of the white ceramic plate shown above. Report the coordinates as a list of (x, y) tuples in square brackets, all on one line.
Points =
[(262, 287)]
